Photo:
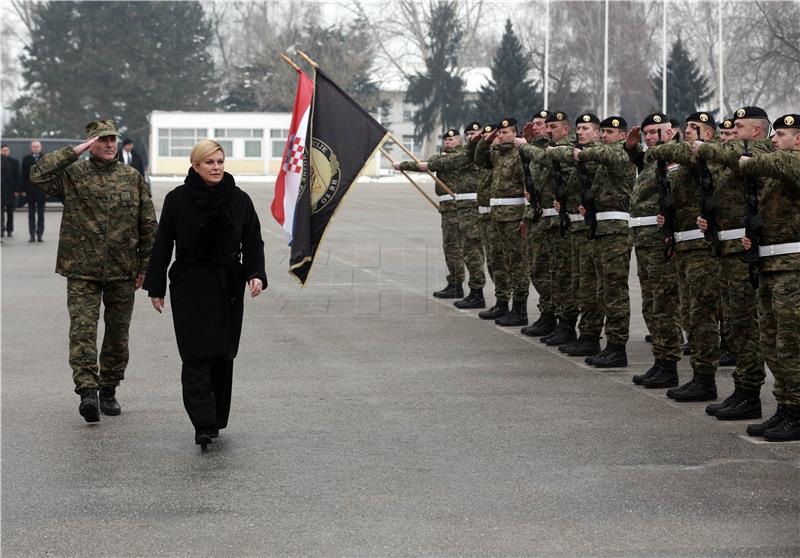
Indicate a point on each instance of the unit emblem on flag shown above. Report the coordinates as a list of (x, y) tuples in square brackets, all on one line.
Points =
[(324, 174)]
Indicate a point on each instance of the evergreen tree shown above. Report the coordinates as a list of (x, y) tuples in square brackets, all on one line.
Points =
[(118, 60), (687, 87), (509, 92), (439, 92)]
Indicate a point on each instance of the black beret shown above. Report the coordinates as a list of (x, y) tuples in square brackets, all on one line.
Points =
[(674, 122), (490, 128), (787, 121), (507, 122), (473, 126), (727, 124), (614, 122), (750, 112), (587, 118), (542, 114), (655, 118), (451, 133), (702, 118), (557, 116)]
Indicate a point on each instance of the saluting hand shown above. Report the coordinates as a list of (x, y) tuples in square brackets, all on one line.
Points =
[(255, 287), (85, 145), (634, 137)]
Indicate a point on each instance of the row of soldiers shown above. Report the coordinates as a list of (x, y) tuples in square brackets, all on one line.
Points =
[(712, 213)]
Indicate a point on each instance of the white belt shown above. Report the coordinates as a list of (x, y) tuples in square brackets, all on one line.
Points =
[(484, 209), (575, 217), (730, 234), (779, 249), (549, 212), (446, 198), (460, 197), (693, 234), (643, 221), (507, 201), (612, 216)]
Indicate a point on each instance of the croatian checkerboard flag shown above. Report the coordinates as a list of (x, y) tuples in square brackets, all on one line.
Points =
[(288, 183)]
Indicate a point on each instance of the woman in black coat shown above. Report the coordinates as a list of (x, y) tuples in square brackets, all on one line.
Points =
[(218, 250)]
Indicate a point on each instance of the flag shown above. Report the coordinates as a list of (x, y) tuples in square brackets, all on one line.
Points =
[(287, 184), (343, 137)]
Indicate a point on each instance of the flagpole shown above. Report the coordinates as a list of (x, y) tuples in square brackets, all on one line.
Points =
[(417, 161), (414, 184), (289, 61), (307, 58)]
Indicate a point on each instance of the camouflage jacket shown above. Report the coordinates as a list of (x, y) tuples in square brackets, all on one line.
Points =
[(460, 168), (527, 150), (730, 187), (778, 204), (644, 200), (108, 225), (685, 190), (507, 178), (544, 175), (448, 176), (589, 169), (612, 184)]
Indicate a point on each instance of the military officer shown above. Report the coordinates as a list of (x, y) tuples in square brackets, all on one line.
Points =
[(727, 131), (488, 238), (107, 232)]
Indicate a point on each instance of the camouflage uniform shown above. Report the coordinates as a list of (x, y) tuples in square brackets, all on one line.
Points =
[(738, 297), (107, 232), (488, 238)]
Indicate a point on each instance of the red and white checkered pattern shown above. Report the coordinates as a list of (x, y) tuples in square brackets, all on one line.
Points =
[(294, 158)]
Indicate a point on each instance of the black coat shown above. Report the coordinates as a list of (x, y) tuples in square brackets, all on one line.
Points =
[(9, 181), (136, 161), (25, 177), (208, 278)]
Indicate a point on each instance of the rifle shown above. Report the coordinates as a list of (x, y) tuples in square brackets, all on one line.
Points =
[(561, 197), (587, 198), (530, 186), (666, 205), (753, 223), (708, 209)]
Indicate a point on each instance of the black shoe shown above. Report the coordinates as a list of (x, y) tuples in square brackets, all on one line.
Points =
[(517, 317), (474, 300), (499, 310), (712, 408), (773, 421), (746, 406), (202, 437), (544, 326), (789, 428), (452, 290), (686, 348), (639, 378), (615, 357), (31, 239), (727, 359), (665, 376), (90, 406), (39, 238), (564, 333), (590, 359), (108, 401), (585, 345), (648, 338), (696, 390), (214, 432)]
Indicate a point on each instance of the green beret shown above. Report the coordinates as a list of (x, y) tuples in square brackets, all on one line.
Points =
[(787, 121), (587, 118), (557, 116), (655, 118), (616, 122), (750, 112), (100, 128), (473, 126)]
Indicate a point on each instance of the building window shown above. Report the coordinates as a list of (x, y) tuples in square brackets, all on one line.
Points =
[(227, 147), (410, 144), (278, 139), (242, 142), (178, 142), (252, 148)]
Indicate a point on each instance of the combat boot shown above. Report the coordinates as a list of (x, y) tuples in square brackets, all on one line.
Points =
[(499, 310), (590, 359), (90, 406), (639, 378), (452, 290), (474, 300), (665, 376), (746, 406), (585, 345), (614, 357), (773, 421), (517, 317), (700, 388), (788, 430), (726, 359), (545, 325), (712, 408), (108, 401), (563, 333)]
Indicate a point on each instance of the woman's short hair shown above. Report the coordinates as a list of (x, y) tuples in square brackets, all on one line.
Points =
[(203, 149)]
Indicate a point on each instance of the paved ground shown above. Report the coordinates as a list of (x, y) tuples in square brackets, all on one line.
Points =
[(370, 420)]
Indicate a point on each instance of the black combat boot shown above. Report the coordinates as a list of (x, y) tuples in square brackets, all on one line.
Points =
[(700, 388), (499, 310), (614, 357), (590, 359), (771, 422), (712, 408), (452, 290), (726, 358), (545, 325), (474, 300), (665, 376), (517, 317), (585, 345), (746, 406), (563, 333), (648, 338), (108, 401), (90, 406), (788, 430), (639, 378)]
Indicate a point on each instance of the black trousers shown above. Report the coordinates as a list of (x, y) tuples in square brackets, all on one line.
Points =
[(207, 392), (36, 209), (8, 216)]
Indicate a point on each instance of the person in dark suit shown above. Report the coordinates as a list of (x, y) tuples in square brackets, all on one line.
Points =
[(36, 198), (129, 156), (9, 183), (215, 231)]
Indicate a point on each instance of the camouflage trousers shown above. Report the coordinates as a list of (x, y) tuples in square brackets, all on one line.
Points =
[(471, 248), (488, 240), (83, 305), (451, 244), (658, 280), (698, 284), (740, 318), (539, 263), (778, 316), (586, 281), (512, 282), (562, 256), (613, 261)]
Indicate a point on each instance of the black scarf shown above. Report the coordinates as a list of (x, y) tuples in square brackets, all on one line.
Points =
[(214, 203)]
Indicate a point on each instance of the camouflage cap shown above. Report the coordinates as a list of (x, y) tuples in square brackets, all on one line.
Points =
[(616, 122), (787, 121), (100, 128)]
